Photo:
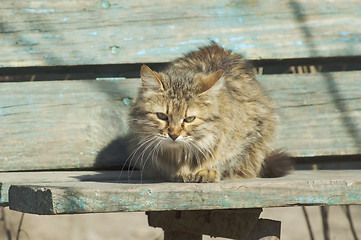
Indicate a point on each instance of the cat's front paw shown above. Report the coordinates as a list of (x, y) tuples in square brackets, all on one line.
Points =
[(207, 176), (186, 178)]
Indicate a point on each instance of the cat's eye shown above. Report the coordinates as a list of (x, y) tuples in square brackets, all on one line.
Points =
[(162, 116), (189, 119)]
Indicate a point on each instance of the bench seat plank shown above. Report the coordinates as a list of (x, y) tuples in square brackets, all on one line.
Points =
[(51, 33), (71, 124), (9, 178), (299, 188)]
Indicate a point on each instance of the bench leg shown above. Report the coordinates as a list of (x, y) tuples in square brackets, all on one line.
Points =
[(174, 235), (233, 223)]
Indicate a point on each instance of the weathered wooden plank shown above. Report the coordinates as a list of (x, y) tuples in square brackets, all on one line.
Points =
[(71, 124), (320, 114), (9, 178), (50, 33), (299, 188), (60, 124)]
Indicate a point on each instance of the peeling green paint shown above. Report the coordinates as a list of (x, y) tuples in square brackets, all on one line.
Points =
[(105, 4)]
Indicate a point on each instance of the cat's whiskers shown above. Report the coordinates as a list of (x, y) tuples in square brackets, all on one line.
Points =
[(155, 153), (208, 143), (202, 153), (141, 155), (139, 145), (206, 149), (130, 159), (131, 156), (203, 150), (193, 152), (150, 155), (140, 135)]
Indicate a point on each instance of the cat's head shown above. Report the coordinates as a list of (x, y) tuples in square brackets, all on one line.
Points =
[(177, 107)]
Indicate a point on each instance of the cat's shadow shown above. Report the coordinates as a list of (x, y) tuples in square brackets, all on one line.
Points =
[(114, 155), (117, 177), (112, 165)]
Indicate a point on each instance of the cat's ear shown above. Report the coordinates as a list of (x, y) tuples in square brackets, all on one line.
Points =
[(151, 80), (207, 82)]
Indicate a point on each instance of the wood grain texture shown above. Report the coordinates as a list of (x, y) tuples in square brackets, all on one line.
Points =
[(9, 178), (78, 124), (60, 124), (299, 188), (320, 114), (52, 33)]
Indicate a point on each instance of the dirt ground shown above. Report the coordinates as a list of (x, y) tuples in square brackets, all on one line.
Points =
[(134, 226)]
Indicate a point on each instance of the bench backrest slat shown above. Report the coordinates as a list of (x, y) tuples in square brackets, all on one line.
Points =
[(65, 124), (52, 33)]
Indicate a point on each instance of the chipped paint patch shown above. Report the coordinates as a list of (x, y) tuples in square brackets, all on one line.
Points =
[(141, 52), (105, 4), (126, 101), (243, 46), (34, 51), (193, 41), (344, 33), (174, 49), (32, 10), (232, 39), (114, 49)]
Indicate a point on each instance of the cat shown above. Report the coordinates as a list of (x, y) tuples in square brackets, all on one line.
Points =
[(203, 119)]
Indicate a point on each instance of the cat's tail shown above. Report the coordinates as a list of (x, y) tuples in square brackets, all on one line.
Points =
[(277, 164)]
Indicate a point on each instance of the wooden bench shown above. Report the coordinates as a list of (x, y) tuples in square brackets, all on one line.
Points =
[(61, 141)]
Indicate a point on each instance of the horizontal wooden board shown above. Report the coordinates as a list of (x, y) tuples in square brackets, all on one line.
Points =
[(79, 124), (52, 33), (299, 188), (49, 125), (9, 178), (320, 114)]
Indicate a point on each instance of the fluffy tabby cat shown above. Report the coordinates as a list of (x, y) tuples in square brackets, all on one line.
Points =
[(202, 119)]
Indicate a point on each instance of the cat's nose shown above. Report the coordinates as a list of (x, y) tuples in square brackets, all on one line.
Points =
[(173, 136)]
